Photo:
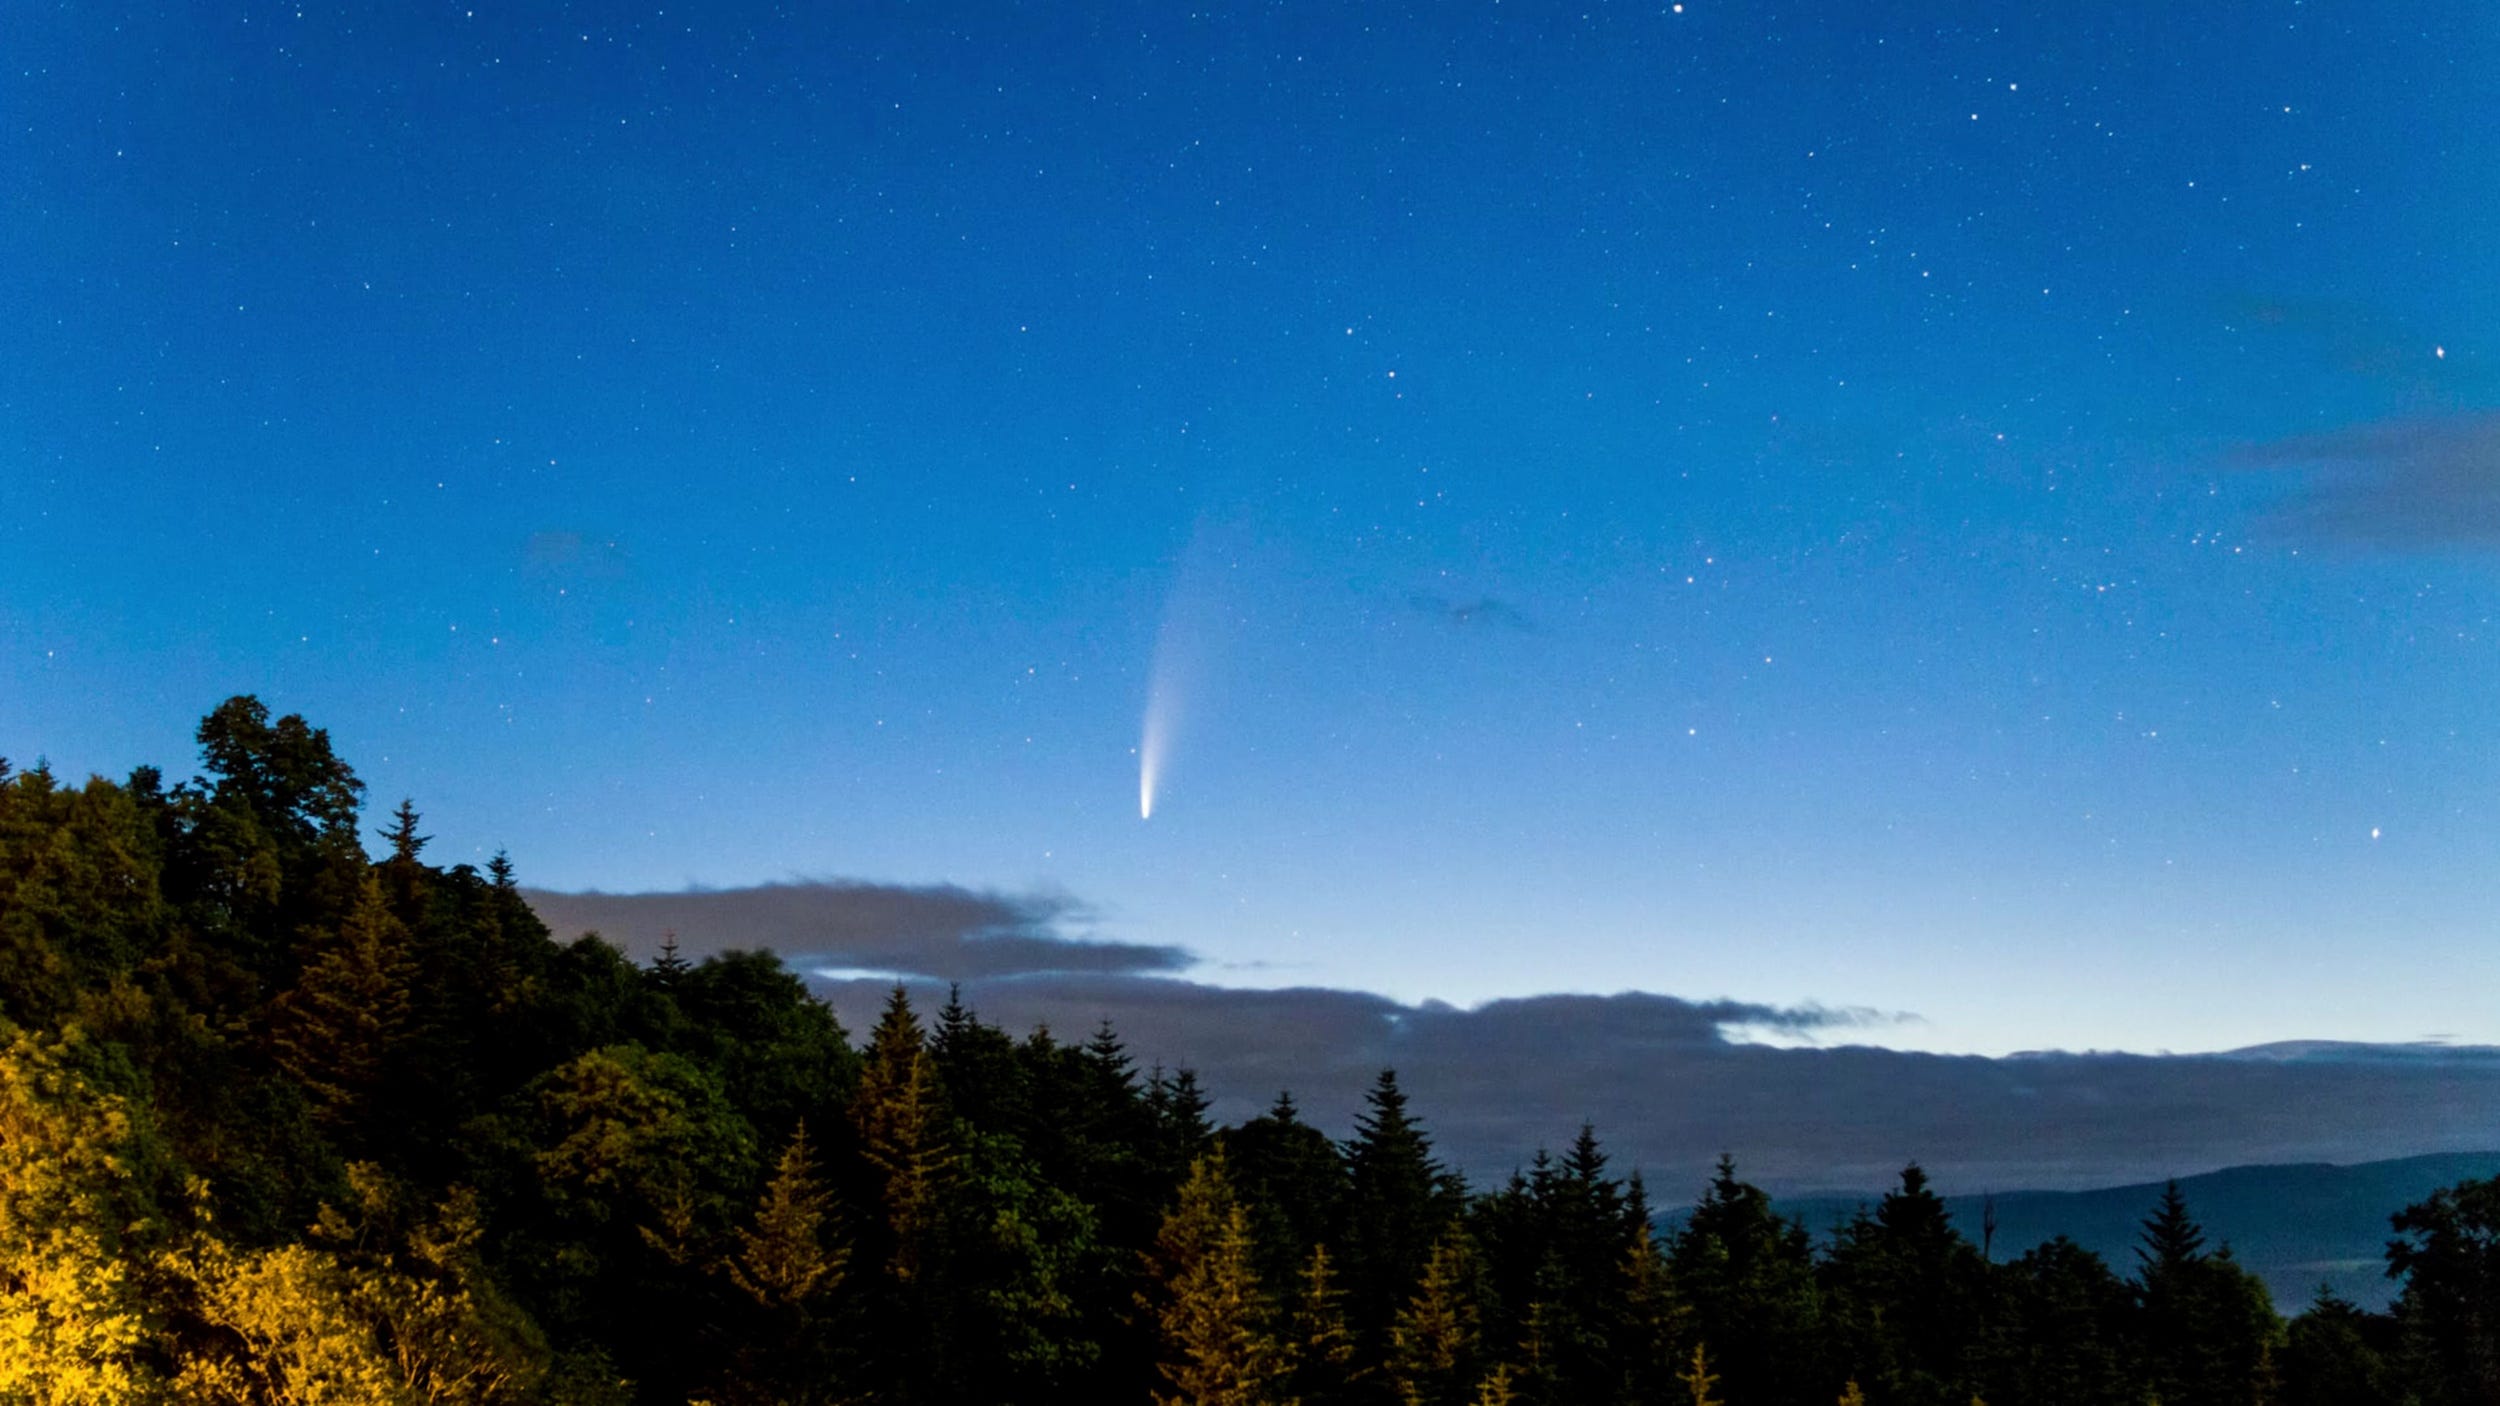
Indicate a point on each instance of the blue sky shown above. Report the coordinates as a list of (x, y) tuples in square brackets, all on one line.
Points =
[(1972, 512)]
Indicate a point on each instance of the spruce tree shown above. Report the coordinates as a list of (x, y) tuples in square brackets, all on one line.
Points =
[(1435, 1342), (335, 1030), (1749, 1276), (2207, 1325), (899, 1117), (784, 1262), (1649, 1323), (1293, 1178), (1399, 1201), (1700, 1383), (1324, 1367), (1499, 1388), (1217, 1342)]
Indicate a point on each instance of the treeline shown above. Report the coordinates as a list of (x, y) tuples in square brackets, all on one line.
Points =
[(281, 1124)]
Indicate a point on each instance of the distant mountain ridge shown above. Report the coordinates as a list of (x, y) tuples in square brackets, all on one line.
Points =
[(2297, 1226)]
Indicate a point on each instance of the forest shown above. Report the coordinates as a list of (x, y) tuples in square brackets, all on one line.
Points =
[(282, 1123)]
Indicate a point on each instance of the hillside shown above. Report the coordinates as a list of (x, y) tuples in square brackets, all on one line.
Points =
[(2295, 1226)]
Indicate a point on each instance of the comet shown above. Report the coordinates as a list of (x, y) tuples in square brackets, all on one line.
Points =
[(1191, 617), (1163, 710)]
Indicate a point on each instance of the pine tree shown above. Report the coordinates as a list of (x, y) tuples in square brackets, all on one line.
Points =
[(1183, 1133), (900, 1117), (405, 842), (1649, 1322), (2170, 1236), (1323, 1347), (1699, 1380), (1852, 1394), (784, 1262), (1906, 1295), (1433, 1343), (1748, 1275), (2206, 1324), (1498, 1388), (336, 1028), (1293, 1178), (1398, 1201), (669, 968), (1217, 1349)]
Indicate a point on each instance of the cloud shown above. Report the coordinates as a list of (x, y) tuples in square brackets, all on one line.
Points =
[(560, 553), (1483, 612), (1669, 1082), (2350, 337), (940, 932), (1669, 1091), (2411, 482)]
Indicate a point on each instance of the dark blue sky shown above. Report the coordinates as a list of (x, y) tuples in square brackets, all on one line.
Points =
[(1943, 508)]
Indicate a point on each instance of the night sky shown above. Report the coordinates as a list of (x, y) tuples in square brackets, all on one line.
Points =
[(1987, 513)]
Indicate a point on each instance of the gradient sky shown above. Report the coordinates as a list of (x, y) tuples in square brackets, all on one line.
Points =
[(1976, 511)]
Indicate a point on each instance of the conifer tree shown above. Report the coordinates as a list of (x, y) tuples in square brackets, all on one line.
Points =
[(2170, 1237), (900, 1118), (2207, 1324), (1650, 1320), (670, 967), (405, 842), (1433, 1345), (1324, 1371), (337, 1027), (1217, 1348), (1749, 1276), (1699, 1381), (1293, 1179), (784, 1261), (1398, 1202), (1182, 1132), (1498, 1388), (1907, 1296)]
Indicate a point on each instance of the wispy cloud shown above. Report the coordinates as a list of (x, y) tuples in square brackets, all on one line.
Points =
[(2410, 482), (1479, 612)]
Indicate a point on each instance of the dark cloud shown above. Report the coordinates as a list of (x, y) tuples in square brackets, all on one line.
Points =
[(1660, 1076), (1481, 612), (2412, 482), (940, 932), (1669, 1091)]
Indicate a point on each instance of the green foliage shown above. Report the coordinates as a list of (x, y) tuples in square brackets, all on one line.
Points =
[(2336, 1355), (783, 1260), (2059, 1329), (1218, 1347), (2208, 1325), (1749, 1278), (2447, 1248), (1906, 1295), (1700, 1383), (1325, 1371), (1435, 1344), (1399, 1201), (281, 1123), (79, 1226), (335, 1030)]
